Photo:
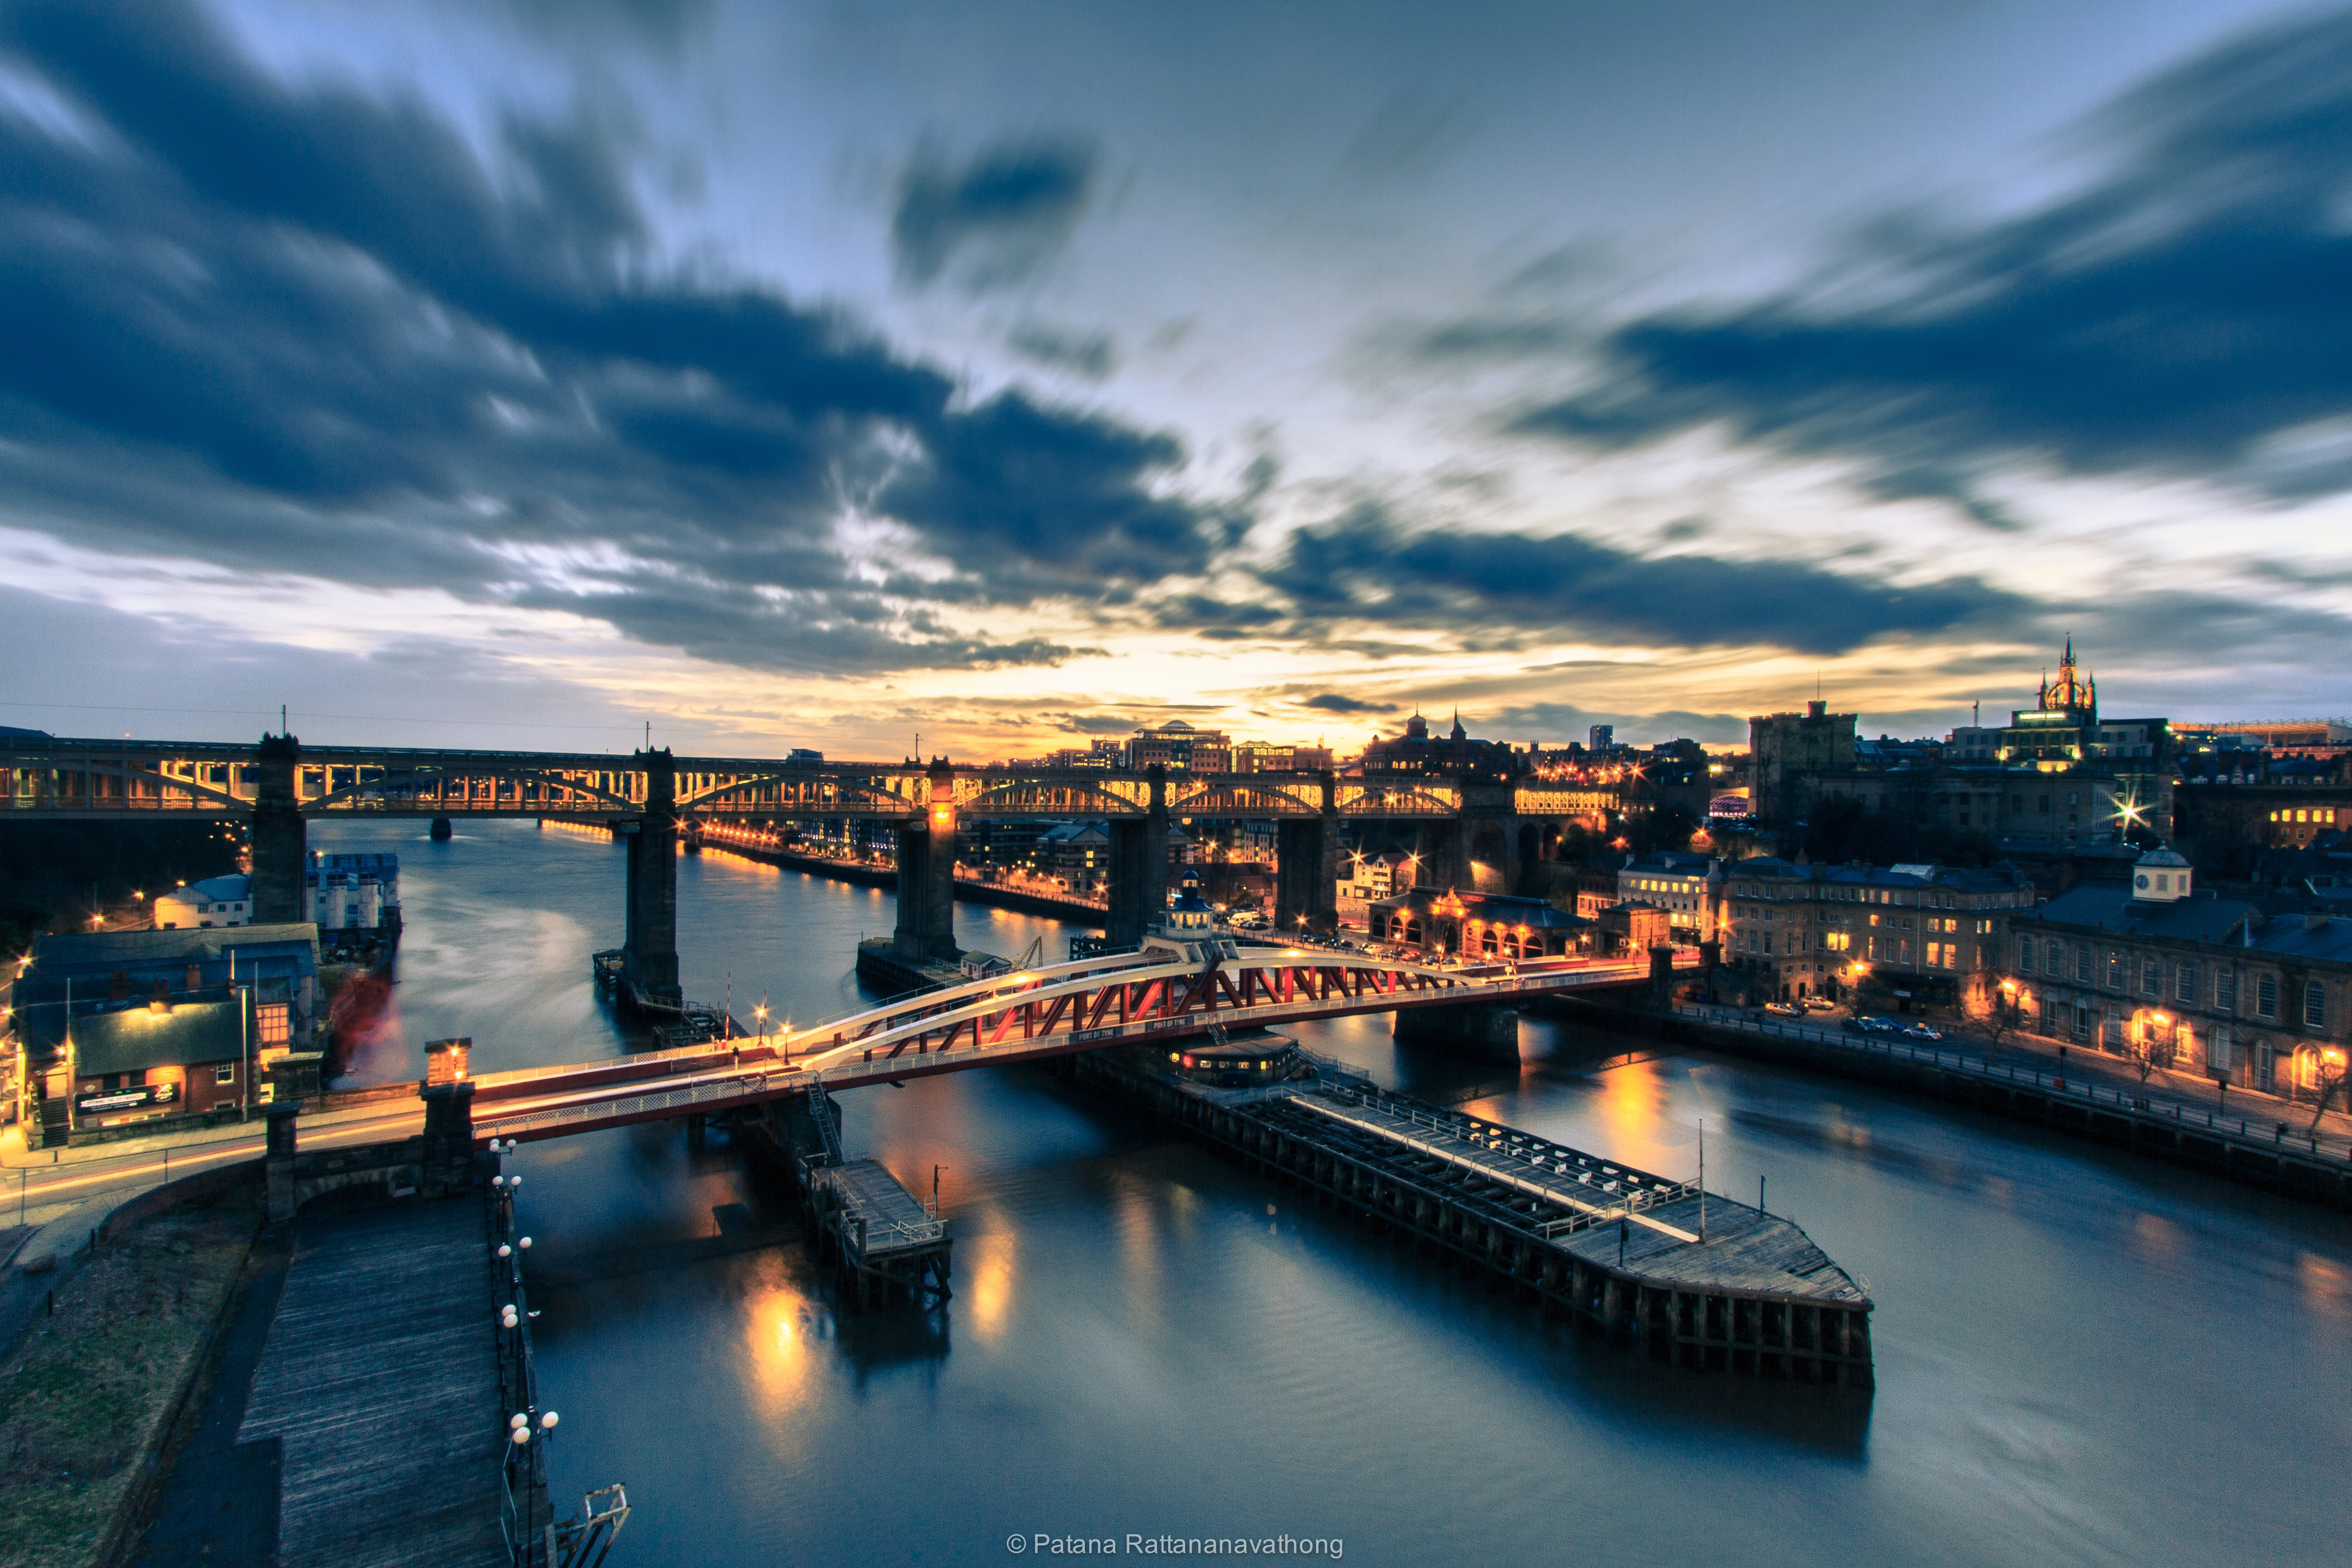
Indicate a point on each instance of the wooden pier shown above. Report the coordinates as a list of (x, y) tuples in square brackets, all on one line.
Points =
[(1622, 1250), (380, 1383)]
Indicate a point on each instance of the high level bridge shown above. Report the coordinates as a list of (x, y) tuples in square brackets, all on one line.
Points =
[(278, 787), (1052, 1011)]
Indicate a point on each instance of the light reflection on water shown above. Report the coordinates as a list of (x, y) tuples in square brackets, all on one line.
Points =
[(2082, 1358)]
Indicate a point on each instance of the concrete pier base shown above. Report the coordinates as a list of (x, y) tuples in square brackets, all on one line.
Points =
[(1478, 1033)]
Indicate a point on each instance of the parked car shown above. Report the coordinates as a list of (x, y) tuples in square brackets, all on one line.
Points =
[(1922, 1032), (1870, 1025), (1784, 1009), (1819, 1004)]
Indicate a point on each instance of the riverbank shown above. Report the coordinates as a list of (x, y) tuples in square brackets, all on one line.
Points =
[(85, 1399), (1076, 911)]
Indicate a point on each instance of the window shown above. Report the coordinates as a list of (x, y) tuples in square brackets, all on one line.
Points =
[(2057, 958), (2184, 984), (2114, 970), (224, 1072), (273, 1023), (2082, 962), (2151, 982), (2266, 996), (2225, 990), (2314, 1007)]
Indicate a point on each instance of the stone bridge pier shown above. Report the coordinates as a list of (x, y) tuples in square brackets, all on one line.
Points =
[(649, 949), (281, 849), (1306, 867), (1485, 848), (1138, 866), (927, 846)]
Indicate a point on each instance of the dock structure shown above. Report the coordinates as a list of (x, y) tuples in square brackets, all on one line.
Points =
[(1626, 1251), (379, 1382), (883, 1242)]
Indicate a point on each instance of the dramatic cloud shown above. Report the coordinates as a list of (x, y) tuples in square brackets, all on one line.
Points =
[(2181, 315), (344, 343), (1333, 703), (1001, 213), (1089, 354), (1362, 567)]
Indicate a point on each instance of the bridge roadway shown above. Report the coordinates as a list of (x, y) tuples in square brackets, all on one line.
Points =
[(1472, 829), (1046, 1012)]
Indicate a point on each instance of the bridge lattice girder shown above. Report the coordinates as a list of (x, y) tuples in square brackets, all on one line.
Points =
[(1047, 1011), (72, 777)]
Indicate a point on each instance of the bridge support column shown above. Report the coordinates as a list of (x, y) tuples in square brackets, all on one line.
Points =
[(277, 1159), (927, 848), (1138, 867), (1475, 1033), (448, 1136), (280, 855), (1489, 843), (1444, 851), (1661, 976), (649, 949)]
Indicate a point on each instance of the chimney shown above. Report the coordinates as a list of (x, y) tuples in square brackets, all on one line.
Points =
[(1817, 709)]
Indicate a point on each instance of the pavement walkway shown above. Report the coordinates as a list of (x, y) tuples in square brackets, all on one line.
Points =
[(2192, 1095)]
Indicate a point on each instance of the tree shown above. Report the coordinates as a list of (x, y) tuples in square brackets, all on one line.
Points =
[(2331, 1084)]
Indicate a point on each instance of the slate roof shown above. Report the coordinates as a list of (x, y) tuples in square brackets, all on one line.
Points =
[(132, 1040), (2105, 906)]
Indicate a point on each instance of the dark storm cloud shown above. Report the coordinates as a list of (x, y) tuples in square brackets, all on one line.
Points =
[(311, 329), (2171, 318), (1001, 212), (1361, 567), (1332, 703)]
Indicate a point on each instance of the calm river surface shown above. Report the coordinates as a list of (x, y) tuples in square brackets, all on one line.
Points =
[(2081, 1357)]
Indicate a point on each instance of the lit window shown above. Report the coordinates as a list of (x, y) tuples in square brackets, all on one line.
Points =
[(224, 1072), (273, 1022)]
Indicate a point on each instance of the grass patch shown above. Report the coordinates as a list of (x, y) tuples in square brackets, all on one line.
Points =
[(84, 1395)]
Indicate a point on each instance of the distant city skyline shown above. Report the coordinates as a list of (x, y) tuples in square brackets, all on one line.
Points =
[(1017, 375)]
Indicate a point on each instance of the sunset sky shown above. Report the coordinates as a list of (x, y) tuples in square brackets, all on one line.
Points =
[(1013, 374)]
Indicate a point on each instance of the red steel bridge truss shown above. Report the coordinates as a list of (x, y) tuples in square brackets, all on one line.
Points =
[(1042, 1013)]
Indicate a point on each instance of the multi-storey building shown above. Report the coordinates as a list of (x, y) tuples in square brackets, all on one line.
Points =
[(1916, 934), (1689, 887), (1788, 751), (1271, 757), (2006, 803), (1180, 748), (1455, 753), (2157, 970)]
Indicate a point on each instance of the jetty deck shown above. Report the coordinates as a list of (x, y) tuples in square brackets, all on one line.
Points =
[(884, 1240), (380, 1381), (1623, 1250)]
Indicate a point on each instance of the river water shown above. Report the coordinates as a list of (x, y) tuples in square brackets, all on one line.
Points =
[(2081, 1357)]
